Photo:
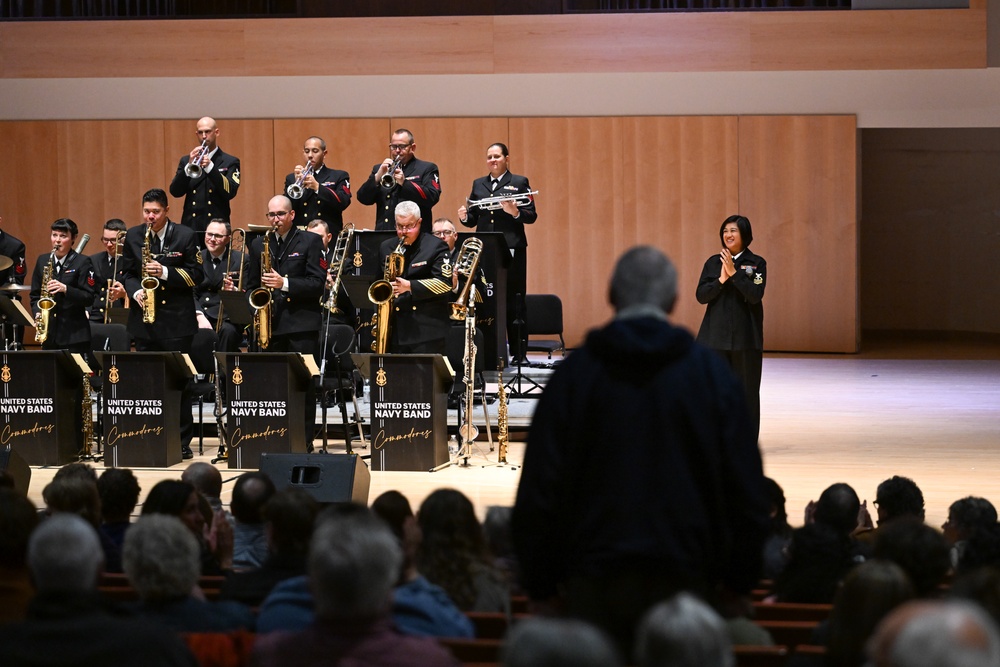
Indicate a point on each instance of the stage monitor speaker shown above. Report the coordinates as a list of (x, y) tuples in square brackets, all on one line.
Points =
[(12, 463), (329, 478)]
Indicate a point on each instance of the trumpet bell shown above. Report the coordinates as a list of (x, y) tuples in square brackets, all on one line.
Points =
[(295, 191), (192, 170)]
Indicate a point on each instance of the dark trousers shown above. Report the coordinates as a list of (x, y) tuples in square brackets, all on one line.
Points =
[(229, 337), (517, 287), (182, 344), (303, 342), (747, 364)]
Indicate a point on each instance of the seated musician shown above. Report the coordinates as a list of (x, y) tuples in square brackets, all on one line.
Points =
[(222, 267)]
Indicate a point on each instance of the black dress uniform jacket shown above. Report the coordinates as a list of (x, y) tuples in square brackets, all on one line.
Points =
[(422, 185), (14, 249), (207, 196), (175, 314), (734, 319), (299, 260), (499, 220), (102, 273), (68, 319), (206, 294), (328, 203), (422, 314)]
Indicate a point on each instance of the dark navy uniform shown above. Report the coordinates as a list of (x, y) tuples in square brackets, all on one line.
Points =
[(328, 203), (103, 268), (68, 326), (206, 296), (420, 318), (207, 196), (422, 185), (13, 248)]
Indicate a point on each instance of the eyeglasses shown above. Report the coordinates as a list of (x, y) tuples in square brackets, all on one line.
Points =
[(209, 235), (399, 147), (109, 241), (406, 228), (277, 214), (443, 232)]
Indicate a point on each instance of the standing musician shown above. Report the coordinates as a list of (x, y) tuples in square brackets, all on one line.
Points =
[(326, 192), (13, 249), (401, 177), (420, 312), (104, 272), (509, 219), (221, 266), (207, 178), (70, 290), (176, 263), (347, 314)]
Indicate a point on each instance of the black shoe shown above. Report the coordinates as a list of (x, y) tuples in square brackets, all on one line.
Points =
[(186, 453)]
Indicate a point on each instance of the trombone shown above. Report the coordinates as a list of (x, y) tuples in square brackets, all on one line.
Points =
[(119, 243), (193, 168), (229, 263), (494, 203), (388, 181), (297, 189), (336, 268)]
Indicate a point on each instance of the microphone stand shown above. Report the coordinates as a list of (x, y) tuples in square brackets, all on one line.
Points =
[(519, 378)]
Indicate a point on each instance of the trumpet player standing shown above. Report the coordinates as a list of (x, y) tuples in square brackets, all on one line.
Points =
[(510, 219), (420, 311), (176, 265), (401, 177), (221, 267), (207, 178), (69, 290), (325, 191)]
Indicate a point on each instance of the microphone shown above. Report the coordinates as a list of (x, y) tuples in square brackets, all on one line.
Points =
[(82, 244)]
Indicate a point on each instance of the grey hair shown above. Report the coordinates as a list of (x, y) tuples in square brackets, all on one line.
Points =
[(554, 642), (64, 554), (950, 634), (683, 632), (161, 557), (354, 563), (644, 276), (409, 208)]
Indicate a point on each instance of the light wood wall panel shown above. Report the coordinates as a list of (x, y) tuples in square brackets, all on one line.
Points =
[(666, 42), (798, 187)]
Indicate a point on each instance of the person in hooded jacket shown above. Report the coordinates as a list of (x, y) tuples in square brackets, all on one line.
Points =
[(641, 475), (732, 285)]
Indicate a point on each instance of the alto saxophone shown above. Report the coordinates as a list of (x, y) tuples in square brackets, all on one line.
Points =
[(336, 268), (261, 298), (45, 302), (149, 283), (501, 417), (380, 293)]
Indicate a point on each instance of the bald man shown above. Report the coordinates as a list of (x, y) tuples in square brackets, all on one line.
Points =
[(206, 195)]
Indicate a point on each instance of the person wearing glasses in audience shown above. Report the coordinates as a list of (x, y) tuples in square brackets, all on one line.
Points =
[(222, 267), (510, 219), (104, 267), (206, 193), (420, 312), (326, 192), (401, 177)]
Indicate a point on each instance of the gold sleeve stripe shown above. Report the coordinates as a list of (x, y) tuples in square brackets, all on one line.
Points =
[(187, 278), (435, 285), (225, 184)]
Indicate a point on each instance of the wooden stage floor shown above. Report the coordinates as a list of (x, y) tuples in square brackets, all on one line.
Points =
[(928, 411)]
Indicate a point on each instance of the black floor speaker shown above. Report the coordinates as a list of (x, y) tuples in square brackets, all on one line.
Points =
[(329, 478), (12, 463)]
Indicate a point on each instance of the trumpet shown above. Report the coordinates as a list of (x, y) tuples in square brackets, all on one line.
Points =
[(493, 203), (261, 298), (193, 168), (149, 283), (380, 293), (336, 268), (388, 181), (45, 302), (297, 189), (466, 265), (229, 262), (119, 243)]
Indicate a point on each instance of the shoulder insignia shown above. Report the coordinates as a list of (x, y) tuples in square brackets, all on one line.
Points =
[(758, 279), (235, 176), (201, 260)]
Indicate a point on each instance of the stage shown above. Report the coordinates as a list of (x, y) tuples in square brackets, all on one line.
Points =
[(925, 410)]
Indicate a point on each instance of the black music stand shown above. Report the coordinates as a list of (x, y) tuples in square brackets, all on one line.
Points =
[(515, 385), (236, 307), (13, 312)]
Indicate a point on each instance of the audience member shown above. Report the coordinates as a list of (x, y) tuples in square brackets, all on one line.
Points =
[(162, 562), (76, 493), (895, 498), (206, 480), (965, 517), (683, 632), (818, 558), (779, 531), (79, 470), (119, 493), (66, 625), (920, 550), (499, 541), (552, 642), (935, 634), (251, 493), (418, 606), (354, 563), (18, 517), (981, 586), (453, 553), (179, 499), (289, 517), (981, 548)]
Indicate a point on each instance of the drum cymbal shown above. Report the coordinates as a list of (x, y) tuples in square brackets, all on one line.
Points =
[(14, 287), (5, 262)]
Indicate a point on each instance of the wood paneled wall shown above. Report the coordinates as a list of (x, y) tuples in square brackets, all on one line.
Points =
[(659, 42), (605, 184)]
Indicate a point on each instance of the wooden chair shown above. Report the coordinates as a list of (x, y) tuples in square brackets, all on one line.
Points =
[(473, 650), (789, 633), (791, 611), (760, 656), (488, 624)]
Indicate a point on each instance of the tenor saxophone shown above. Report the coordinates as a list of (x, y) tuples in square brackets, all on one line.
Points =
[(380, 293), (45, 302), (261, 298), (149, 283)]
